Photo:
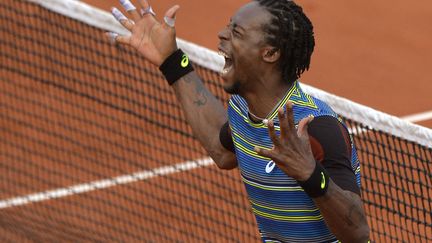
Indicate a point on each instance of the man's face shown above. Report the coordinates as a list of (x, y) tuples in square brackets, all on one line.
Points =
[(241, 44)]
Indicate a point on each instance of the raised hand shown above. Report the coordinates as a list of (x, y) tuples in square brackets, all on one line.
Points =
[(154, 40), (291, 150)]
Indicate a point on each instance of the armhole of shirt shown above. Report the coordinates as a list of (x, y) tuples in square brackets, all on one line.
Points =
[(225, 137)]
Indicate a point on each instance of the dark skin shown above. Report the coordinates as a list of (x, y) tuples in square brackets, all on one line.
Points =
[(254, 75)]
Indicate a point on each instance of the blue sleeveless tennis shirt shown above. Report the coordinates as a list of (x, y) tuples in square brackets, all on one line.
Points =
[(283, 211)]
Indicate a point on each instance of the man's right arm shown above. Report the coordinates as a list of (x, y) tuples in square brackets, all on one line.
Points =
[(156, 42), (206, 115)]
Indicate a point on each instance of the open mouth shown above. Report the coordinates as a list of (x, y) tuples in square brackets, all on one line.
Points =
[(228, 62)]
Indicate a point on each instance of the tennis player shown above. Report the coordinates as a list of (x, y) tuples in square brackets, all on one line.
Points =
[(296, 158)]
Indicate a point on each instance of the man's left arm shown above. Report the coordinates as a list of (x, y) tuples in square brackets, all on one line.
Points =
[(341, 205)]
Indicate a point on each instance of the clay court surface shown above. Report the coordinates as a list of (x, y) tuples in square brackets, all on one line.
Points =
[(375, 53), (378, 54)]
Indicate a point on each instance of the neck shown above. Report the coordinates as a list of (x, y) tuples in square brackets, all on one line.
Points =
[(265, 98)]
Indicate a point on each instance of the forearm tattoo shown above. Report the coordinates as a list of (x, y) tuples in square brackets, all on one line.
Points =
[(201, 93)]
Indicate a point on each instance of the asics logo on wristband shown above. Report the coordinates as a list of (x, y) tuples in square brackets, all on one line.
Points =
[(185, 61), (171, 69), (323, 181)]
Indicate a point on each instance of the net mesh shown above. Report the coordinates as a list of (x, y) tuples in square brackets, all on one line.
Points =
[(94, 147)]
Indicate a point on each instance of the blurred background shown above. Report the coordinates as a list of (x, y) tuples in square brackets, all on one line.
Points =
[(376, 53)]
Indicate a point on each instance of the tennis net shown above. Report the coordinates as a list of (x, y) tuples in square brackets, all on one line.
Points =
[(94, 146)]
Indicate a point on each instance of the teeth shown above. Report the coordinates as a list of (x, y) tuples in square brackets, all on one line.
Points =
[(223, 54), (226, 70)]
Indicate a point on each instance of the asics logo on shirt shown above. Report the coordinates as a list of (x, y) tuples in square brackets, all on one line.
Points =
[(270, 166)]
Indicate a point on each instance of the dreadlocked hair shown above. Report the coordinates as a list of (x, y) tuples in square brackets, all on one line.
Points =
[(291, 32)]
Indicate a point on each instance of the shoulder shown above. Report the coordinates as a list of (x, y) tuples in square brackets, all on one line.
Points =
[(330, 134), (237, 100), (331, 145), (305, 105), (237, 107)]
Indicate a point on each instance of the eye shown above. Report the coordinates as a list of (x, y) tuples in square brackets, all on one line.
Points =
[(235, 31), (232, 27)]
